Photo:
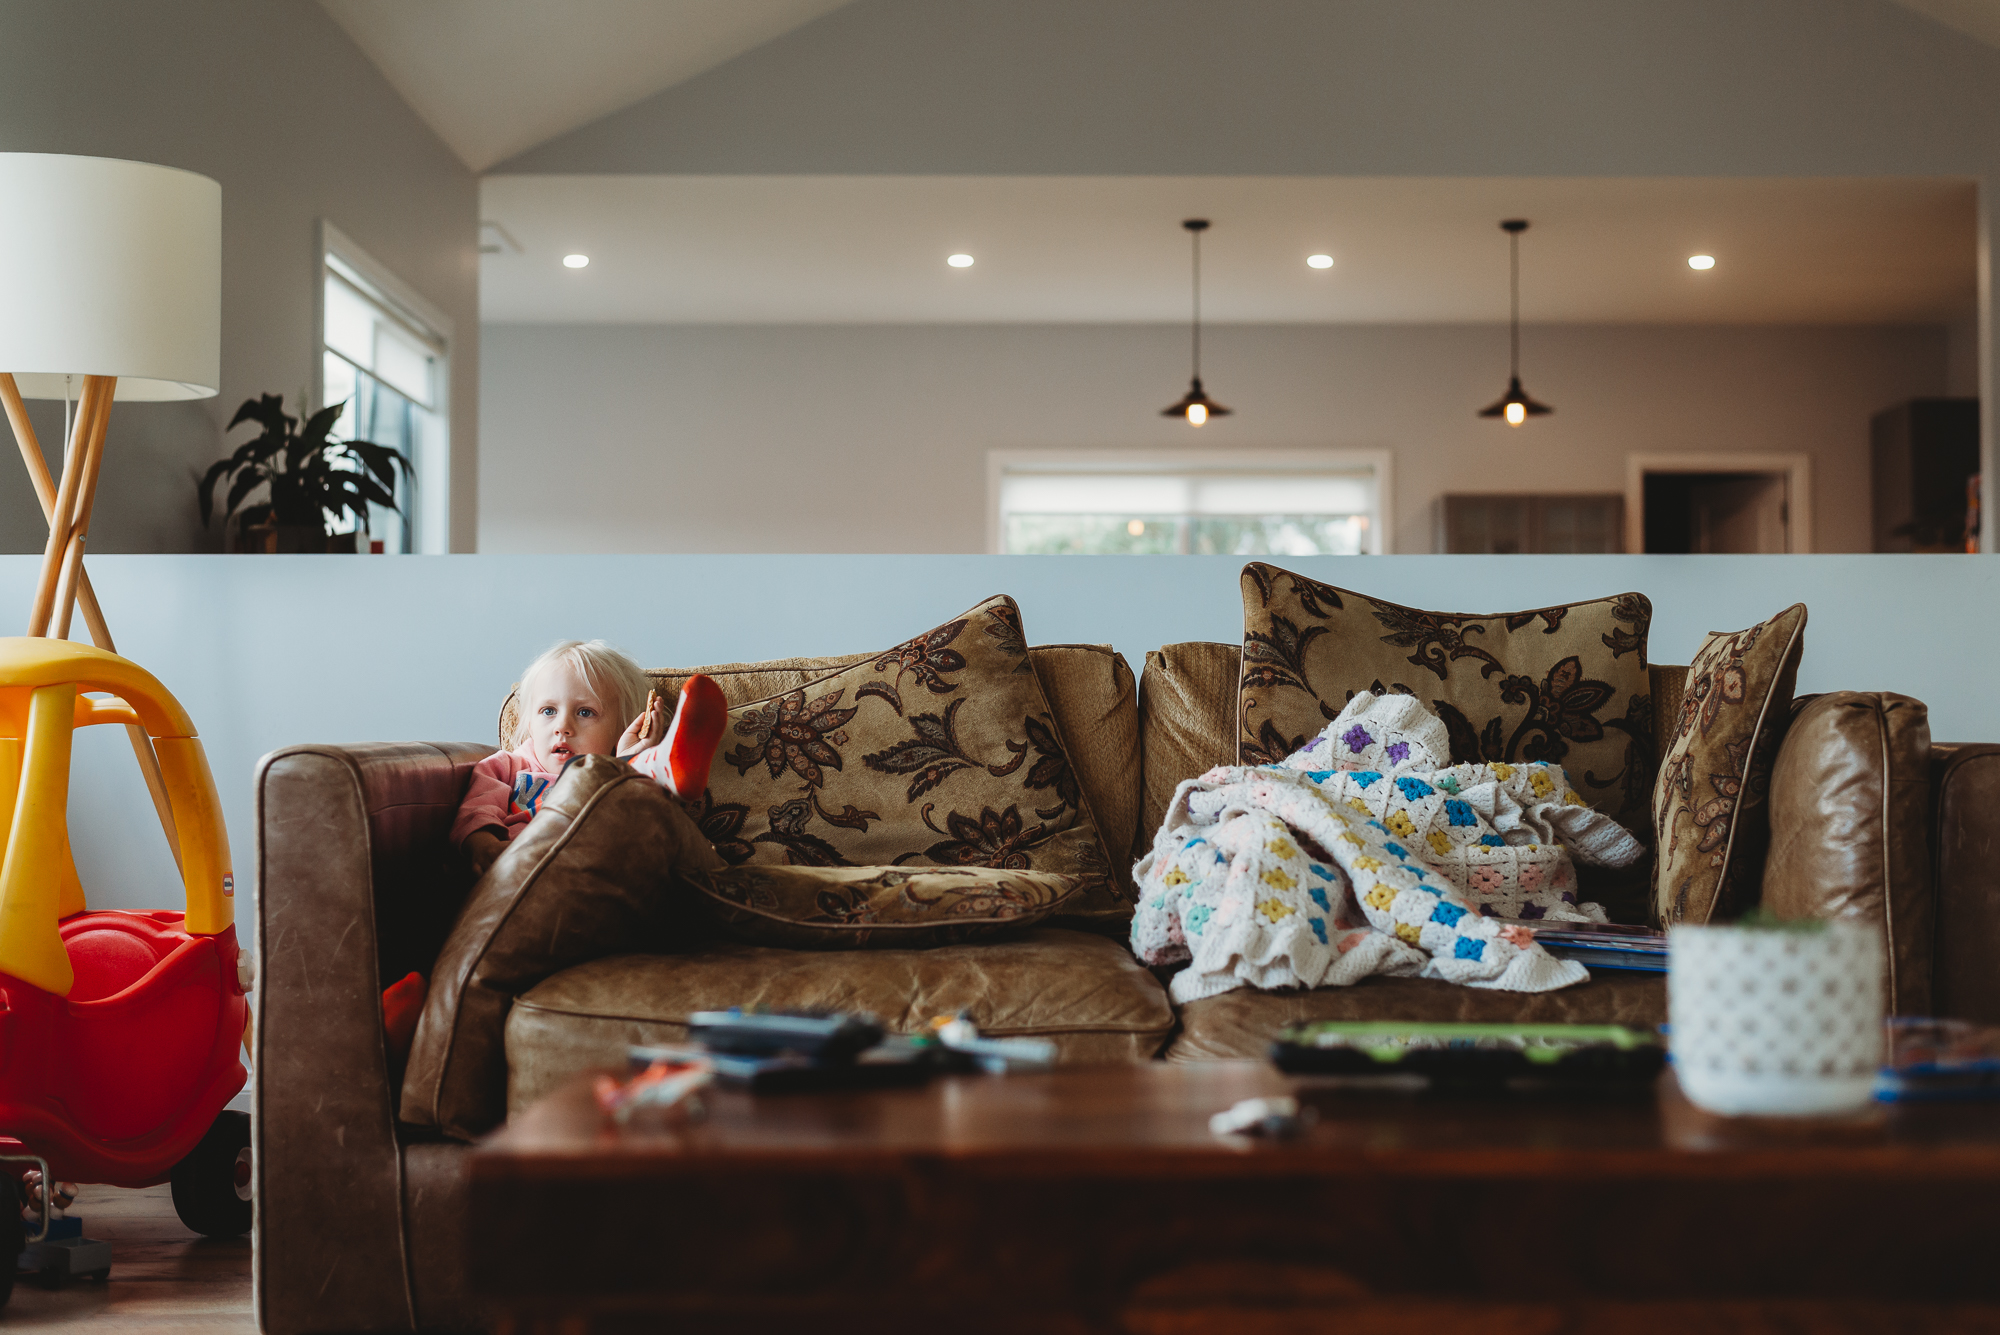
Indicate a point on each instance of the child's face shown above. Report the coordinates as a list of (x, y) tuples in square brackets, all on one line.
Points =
[(565, 718)]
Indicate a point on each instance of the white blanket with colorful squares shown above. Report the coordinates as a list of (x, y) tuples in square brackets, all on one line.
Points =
[(1280, 876)]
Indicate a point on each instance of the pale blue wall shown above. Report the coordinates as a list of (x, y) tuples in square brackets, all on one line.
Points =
[(266, 651)]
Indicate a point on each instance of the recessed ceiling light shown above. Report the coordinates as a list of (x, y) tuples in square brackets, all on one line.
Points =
[(1701, 261), (960, 261), (1319, 261), (575, 261)]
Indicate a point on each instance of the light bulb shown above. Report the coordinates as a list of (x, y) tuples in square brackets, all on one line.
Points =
[(959, 261), (1136, 527), (575, 261), (1701, 261), (1517, 413), (1319, 261), (1197, 414)]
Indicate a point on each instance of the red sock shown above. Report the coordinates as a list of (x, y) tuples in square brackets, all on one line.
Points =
[(693, 736), (402, 1003)]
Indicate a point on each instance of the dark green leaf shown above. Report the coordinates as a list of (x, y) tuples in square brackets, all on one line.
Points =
[(269, 410), (246, 483), (205, 489), (314, 431)]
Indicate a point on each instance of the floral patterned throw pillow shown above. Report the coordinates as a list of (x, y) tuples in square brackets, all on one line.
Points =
[(937, 752), (880, 908), (1563, 684), (1710, 823)]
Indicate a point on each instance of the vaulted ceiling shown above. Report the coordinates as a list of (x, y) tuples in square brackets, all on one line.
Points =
[(496, 77), (493, 77)]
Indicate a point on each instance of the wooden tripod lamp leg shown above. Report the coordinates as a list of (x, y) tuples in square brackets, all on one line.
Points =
[(91, 440), (86, 597)]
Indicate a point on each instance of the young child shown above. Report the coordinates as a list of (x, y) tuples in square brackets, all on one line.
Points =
[(573, 701)]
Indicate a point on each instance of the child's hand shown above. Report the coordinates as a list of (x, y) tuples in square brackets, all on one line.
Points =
[(483, 848), (645, 731)]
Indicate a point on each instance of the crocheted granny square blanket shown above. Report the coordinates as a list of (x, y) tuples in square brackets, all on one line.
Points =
[(1382, 861)]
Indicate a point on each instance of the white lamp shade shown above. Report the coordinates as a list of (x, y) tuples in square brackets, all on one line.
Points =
[(109, 268)]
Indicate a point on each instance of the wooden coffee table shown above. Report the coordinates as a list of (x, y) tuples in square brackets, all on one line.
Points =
[(1097, 1200)]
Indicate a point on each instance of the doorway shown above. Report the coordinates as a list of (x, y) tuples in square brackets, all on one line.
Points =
[(1713, 504)]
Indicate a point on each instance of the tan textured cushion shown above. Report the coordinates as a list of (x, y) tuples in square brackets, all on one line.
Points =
[(1710, 824), (590, 874), (1243, 1023), (876, 908), (1090, 691), (1850, 795), (1563, 684), (1187, 722), (1083, 992)]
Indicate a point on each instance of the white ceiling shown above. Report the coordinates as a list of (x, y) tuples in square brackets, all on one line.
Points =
[(494, 77), (872, 249)]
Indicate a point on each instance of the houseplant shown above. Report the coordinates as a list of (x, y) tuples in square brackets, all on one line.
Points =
[(310, 480)]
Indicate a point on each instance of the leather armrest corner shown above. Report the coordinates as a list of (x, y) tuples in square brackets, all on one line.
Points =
[(1965, 807), (336, 827), (1849, 808)]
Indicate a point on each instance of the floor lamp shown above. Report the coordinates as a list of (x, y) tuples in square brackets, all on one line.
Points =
[(110, 288)]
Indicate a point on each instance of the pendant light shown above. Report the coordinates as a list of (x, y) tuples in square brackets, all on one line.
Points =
[(1515, 406), (1195, 405)]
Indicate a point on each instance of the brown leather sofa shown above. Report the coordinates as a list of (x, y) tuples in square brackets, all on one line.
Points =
[(360, 1218)]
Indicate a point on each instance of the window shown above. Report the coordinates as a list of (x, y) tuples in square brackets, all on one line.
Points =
[(1203, 503), (385, 353)]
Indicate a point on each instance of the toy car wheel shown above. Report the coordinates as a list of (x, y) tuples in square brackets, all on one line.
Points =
[(212, 1185)]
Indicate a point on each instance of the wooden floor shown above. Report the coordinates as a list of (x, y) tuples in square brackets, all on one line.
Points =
[(164, 1279)]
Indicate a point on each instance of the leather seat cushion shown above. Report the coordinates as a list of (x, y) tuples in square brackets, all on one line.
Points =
[(1242, 1023), (1085, 993)]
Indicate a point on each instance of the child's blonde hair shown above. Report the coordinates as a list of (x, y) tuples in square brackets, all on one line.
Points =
[(618, 682)]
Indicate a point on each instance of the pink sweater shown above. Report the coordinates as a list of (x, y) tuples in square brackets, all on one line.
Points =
[(506, 791)]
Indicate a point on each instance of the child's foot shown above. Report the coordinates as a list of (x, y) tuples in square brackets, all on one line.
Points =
[(694, 736)]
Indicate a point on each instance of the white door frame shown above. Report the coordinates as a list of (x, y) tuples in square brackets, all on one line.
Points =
[(1798, 488)]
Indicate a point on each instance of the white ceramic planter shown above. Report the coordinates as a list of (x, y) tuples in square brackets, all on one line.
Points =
[(1784, 1022)]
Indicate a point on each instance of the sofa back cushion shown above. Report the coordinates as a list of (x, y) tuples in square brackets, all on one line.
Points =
[(959, 746), (1965, 804), (1090, 691), (1187, 720), (1850, 794), (1566, 684), (1187, 723), (590, 875)]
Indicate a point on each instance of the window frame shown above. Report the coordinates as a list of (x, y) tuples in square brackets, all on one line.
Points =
[(432, 518), (1379, 463)]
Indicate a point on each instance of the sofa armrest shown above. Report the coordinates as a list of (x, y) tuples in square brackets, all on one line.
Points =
[(1965, 834), (1849, 808), (354, 881)]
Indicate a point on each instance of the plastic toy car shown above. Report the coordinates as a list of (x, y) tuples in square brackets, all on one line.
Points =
[(120, 1032)]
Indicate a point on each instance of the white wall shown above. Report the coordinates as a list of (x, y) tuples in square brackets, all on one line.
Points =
[(273, 100), (266, 651), (608, 438)]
